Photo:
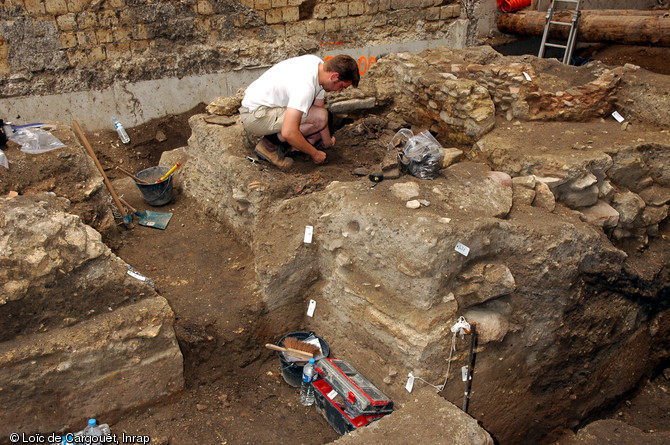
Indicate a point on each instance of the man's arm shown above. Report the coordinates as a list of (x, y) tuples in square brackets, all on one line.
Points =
[(290, 130)]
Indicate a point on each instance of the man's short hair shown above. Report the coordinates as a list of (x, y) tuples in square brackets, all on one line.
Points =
[(345, 66)]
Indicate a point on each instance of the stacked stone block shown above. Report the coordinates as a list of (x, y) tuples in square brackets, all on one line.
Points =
[(147, 36)]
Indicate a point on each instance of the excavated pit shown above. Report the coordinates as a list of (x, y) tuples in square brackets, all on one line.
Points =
[(223, 279)]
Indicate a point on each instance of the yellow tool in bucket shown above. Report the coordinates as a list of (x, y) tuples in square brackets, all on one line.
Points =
[(165, 176)]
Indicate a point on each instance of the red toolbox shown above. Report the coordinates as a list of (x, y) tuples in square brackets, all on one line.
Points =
[(347, 399)]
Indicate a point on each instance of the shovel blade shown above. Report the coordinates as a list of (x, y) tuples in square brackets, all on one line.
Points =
[(157, 220)]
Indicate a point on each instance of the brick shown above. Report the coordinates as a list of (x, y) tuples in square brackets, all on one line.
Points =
[(76, 5), (142, 32), (119, 51), (432, 13), (332, 25), (204, 7), (315, 26), (457, 11), (97, 54), (279, 3), (127, 17), (5, 69), (36, 7), (68, 40), (139, 46), (104, 35), (280, 30), (322, 11), (66, 22), (261, 5), (290, 14), (273, 16), (115, 4), (248, 3), (122, 34), (86, 38), (340, 10), (56, 7), (87, 20), (356, 8), (295, 2), (107, 19), (75, 57), (296, 29)]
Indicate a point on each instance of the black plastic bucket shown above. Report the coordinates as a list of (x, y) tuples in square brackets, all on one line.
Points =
[(292, 371), (155, 194)]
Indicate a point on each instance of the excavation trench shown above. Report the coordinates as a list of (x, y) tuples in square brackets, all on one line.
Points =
[(579, 324)]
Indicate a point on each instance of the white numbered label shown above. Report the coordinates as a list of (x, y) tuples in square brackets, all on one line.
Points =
[(309, 230), (617, 116), (410, 383), (462, 249), (310, 308)]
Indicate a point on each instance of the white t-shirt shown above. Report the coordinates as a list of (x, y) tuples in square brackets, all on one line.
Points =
[(292, 83)]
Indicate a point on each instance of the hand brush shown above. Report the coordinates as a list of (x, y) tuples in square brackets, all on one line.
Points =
[(294, 343), (293, 352)]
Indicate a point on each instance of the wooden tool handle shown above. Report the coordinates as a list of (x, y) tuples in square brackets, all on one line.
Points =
[(80, 133), (294, 352), (126, 172)]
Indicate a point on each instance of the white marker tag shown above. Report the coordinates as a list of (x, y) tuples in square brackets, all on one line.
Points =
[(137, 275), (464, 373), (617, 116), (309, 230), (462, 249), (332, 394), (410, 382), (527, 76), (310, 308)]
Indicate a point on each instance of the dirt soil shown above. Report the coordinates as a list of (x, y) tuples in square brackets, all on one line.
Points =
[(234, 391)]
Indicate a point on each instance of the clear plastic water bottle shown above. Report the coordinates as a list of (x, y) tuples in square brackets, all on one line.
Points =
[(122, 131), (306, 388), (93, 431)]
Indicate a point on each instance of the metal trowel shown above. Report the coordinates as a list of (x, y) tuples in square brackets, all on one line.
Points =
[(148, 218)]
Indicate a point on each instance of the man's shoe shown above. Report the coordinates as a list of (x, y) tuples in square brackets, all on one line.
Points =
[(272, 156)]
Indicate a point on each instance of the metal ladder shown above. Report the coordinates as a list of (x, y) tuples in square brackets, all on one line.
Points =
[(572, 33)]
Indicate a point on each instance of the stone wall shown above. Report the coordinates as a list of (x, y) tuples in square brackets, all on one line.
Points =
[(60, 46)]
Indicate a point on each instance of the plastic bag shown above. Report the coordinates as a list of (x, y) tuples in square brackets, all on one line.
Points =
[(3, 159), (421, 154), (35, 140)]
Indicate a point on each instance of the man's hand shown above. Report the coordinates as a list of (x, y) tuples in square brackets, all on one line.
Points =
[(319, 156)]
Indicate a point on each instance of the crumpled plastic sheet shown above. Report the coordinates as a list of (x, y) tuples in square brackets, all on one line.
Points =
[(35, 140)]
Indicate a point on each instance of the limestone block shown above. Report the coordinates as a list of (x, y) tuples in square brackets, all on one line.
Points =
[(491, 325), (405, 190), (601, 214), (606, 191), (544, 198), (225, 106), (527, 181), (629, 205), (117, 361), (656, 195), (581, 198), (483, 282), (523, 195), (583, 182), (347, 106), (652, 215), (450, 155), (425, 408)]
